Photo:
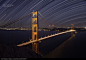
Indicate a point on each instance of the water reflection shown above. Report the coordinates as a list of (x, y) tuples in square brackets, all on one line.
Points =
[(74, 47)]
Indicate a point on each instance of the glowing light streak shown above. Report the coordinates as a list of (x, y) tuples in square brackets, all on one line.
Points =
[(25, 9), (36, 5), (59, 17), (54, 13), (49, 10), (9, 20), (73, 19), (80, 22), (3, 16), (5, 3), (69, 17), (64, 11), (55, 7), (12, 12)]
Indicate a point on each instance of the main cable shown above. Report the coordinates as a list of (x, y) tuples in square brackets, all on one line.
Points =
[(7, 24), (45, 18)]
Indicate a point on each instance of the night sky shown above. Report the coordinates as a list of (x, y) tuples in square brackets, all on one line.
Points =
[(61, 13)]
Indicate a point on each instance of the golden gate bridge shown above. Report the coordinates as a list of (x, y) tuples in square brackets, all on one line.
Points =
[(35, 25)]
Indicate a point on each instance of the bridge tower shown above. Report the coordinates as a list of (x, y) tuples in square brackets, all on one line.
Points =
[(35, 46)]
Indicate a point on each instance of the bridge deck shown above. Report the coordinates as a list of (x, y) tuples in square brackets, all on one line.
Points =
[(29, 42)]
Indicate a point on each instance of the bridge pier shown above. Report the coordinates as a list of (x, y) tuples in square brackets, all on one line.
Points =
[(35, 47)]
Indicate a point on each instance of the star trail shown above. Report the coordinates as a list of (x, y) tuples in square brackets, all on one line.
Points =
[(61, 13)]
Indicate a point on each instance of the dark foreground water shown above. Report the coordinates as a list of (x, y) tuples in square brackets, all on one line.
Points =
[(74, 47), (52, 47), (17, 37)]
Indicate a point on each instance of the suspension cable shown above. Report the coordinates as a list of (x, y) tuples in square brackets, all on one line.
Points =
[(45, 18), (16, 20)]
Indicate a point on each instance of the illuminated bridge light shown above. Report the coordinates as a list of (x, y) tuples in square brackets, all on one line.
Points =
[(72, 30)]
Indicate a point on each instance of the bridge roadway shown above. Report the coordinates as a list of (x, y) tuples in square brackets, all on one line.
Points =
[(29, 42)]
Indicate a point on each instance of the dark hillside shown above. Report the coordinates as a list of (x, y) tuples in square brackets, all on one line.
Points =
[(12, 51)]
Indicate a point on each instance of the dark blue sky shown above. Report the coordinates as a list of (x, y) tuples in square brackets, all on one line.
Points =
[(61, 13)]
